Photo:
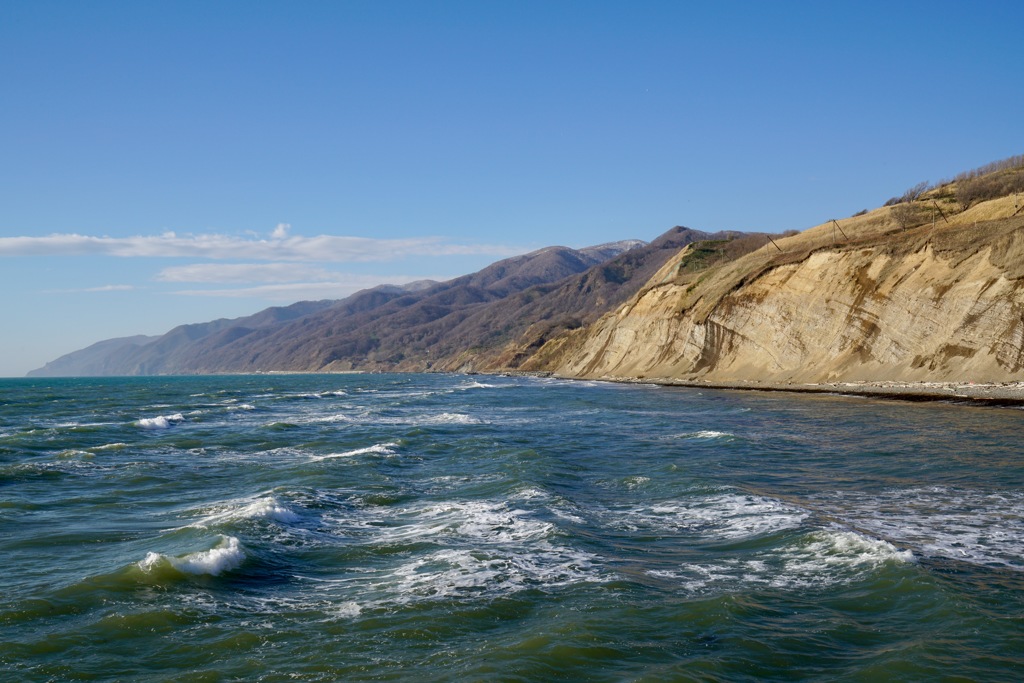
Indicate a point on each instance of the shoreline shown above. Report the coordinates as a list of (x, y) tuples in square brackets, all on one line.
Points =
[(994, 394), (965, 393)]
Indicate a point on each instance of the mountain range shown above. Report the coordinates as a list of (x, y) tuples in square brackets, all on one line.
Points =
[(929, 286), (424, 326)]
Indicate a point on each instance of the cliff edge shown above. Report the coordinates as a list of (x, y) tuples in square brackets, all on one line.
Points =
[(926, 289)]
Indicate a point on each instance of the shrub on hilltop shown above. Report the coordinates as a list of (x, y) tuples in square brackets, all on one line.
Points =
[(991, 181), (982, 188)]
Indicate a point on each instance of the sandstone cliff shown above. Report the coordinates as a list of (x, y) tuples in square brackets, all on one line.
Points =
[(867, 298)]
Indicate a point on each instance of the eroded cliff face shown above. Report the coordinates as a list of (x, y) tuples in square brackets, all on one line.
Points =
[(936, 303)]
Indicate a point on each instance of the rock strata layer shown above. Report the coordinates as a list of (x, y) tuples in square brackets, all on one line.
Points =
[(936, 303)]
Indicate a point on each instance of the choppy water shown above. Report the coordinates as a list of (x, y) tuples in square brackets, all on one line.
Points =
[(451, 528)]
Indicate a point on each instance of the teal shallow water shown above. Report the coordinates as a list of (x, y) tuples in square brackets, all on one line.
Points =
[(452, 528)]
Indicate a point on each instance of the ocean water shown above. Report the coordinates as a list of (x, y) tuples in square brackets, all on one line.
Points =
[(456, 528)]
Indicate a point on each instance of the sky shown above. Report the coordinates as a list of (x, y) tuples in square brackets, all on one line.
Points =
[(163, 163)]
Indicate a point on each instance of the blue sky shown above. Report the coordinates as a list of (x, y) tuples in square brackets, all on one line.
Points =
[(173, 162)]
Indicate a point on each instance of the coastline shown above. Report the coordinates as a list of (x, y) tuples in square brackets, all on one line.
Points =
[(964, 393), (1010, 394), (967, 393)]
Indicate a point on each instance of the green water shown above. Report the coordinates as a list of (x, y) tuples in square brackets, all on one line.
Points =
[(452, 528)]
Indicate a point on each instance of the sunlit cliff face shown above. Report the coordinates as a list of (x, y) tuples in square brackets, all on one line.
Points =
[(938, 302)]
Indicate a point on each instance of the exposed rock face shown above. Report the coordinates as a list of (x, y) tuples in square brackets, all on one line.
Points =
[(934, 303)]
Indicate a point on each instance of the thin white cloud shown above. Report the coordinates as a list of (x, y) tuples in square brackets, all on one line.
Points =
[(103, 288), (111, 288), (241, 273), (295, 291), (281, 247)]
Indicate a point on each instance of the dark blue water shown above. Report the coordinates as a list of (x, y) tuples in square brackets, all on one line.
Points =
[(452, 528)]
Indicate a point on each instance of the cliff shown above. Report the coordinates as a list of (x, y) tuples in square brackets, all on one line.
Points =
[(923, 290)]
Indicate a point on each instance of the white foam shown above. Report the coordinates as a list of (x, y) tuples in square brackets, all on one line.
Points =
[(633, 483), (110, 447), (74, 453), (706, 434), (568, 516), (270, 509), (414, 420), (347, 610), (161, 421), (340, 417), (722, 516), (446, 573), (486, 547), (417, 419), (266, 508), (831, 555), (450, 418), (967, 525), (817, 560), (455, 572), (80, 425), (225, 556), (480, 521), (377, 449), (476, 385)]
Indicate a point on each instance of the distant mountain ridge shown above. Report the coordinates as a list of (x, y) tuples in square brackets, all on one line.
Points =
[(386, 327), (94, 360)]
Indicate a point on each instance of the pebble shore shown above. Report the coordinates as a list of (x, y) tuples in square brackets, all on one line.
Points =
[(984, 393)]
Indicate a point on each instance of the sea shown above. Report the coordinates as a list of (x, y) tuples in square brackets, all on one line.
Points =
[(436, 527)]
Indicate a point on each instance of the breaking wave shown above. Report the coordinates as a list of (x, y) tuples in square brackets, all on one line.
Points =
[(386, 449), (161, 421), (227, 555), (265, 508), (972, 526), (815, 560)]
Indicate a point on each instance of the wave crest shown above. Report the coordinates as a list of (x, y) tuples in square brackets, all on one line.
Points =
[(160, 421), (227, 555)]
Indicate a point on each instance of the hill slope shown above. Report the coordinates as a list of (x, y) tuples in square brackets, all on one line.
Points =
[(927, 289), (386, 327), (98, 359), (515, 327)]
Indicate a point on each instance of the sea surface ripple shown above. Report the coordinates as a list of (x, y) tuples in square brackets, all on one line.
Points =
[(466, 528)]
